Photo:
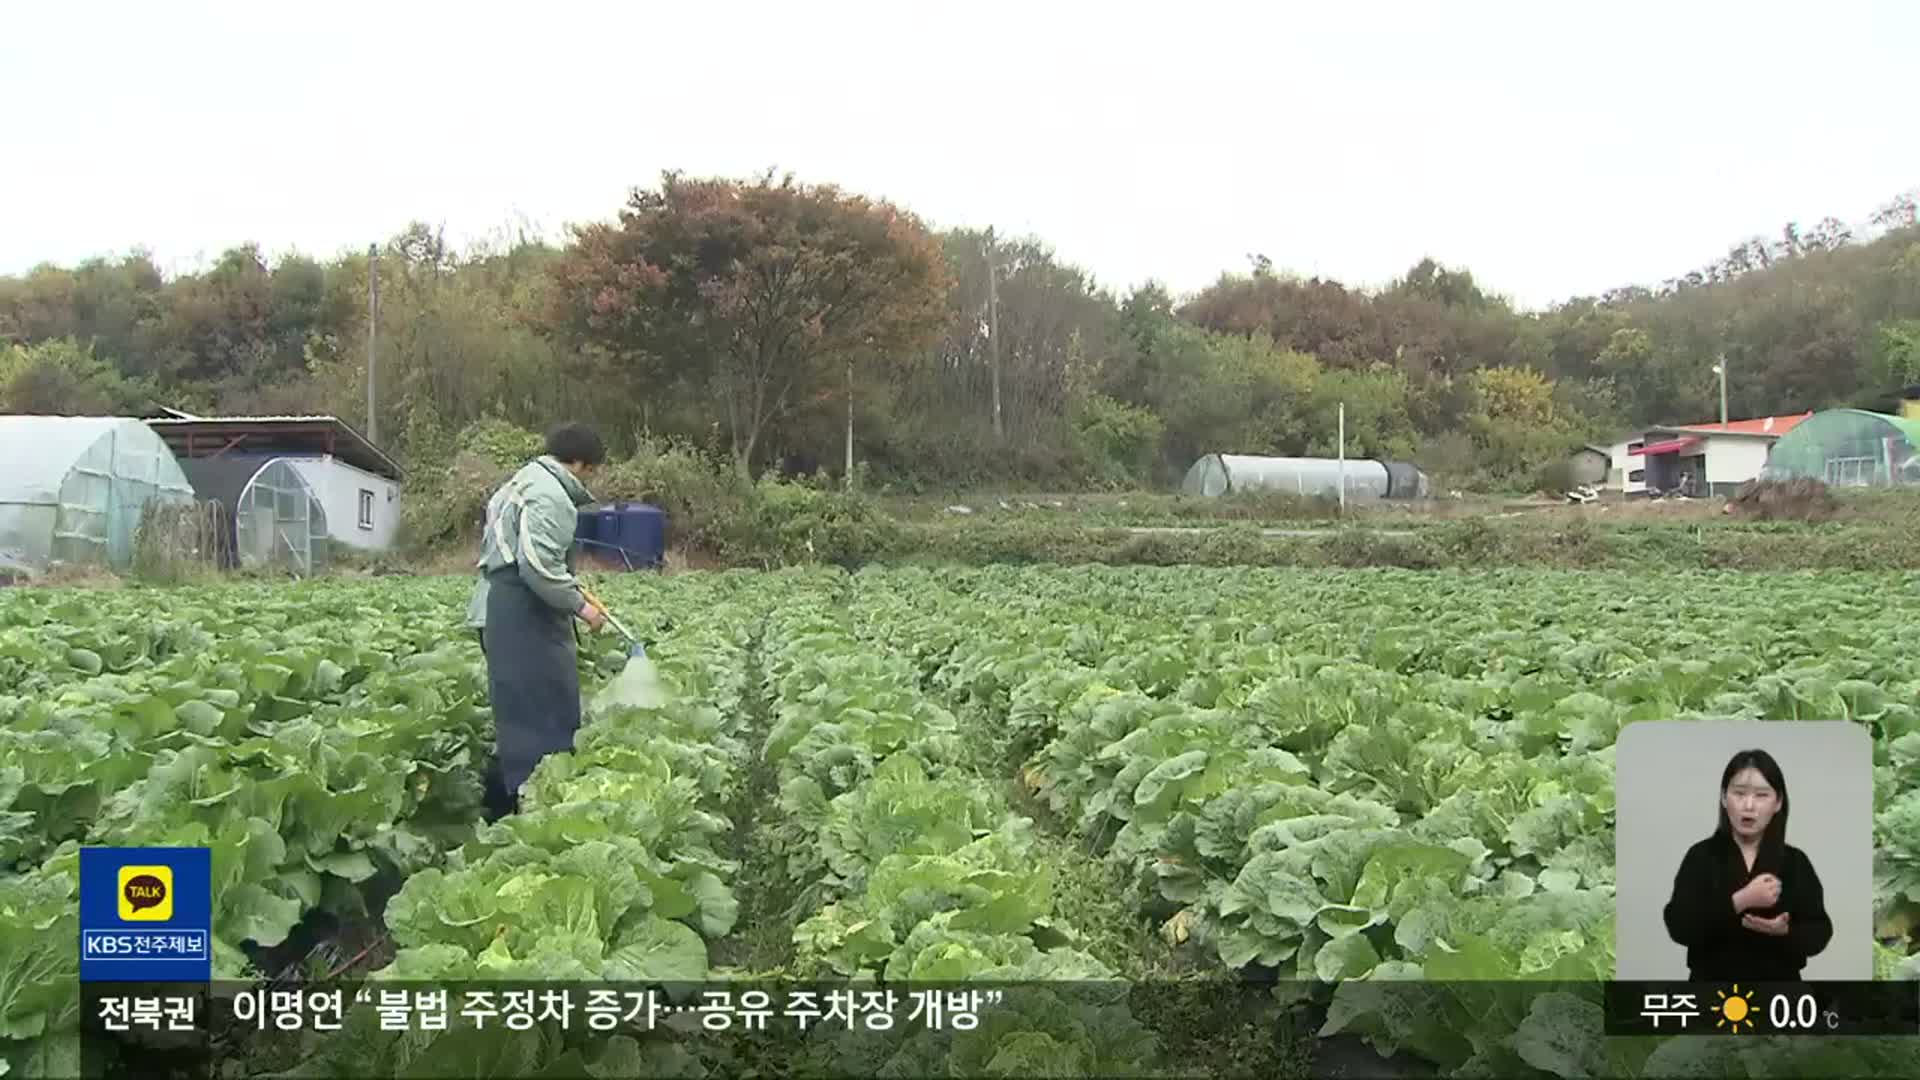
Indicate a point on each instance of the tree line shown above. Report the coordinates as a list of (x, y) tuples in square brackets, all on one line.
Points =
[(762, 320)]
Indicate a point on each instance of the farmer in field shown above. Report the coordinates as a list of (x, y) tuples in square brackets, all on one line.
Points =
[(524, 606)]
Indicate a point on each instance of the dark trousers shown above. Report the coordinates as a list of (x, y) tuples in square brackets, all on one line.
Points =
[(533, 682)]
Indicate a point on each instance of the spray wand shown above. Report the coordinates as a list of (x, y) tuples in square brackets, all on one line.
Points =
[(639, 684)]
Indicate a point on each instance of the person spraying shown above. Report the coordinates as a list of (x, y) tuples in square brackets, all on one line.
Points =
[(524, 605)]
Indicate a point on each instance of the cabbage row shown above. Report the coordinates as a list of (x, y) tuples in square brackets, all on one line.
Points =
[(316, 736), (917, 870), (307, 757), (613, 870), (310, 737), (1382, 780), (1361, 778)]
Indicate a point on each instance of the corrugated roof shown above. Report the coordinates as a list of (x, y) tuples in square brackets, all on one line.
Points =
[(1769, 426), (338, 438), (308, 418)]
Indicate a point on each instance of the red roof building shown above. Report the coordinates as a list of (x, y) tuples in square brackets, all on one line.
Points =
[(1697, 459), (1770, 426)]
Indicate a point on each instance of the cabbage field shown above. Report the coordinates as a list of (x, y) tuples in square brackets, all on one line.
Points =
[(1269, 780)]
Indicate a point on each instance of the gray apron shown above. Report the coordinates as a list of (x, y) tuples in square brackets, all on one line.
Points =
[(533, 681)]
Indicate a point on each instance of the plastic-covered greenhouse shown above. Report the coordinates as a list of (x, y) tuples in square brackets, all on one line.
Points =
[(1218, 474), (73, 488), (1849, 448), (274, 520)]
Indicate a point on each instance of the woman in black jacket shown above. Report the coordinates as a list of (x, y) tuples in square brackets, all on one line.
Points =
[(1746, 904)]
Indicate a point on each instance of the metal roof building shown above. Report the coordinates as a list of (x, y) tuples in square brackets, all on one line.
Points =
[(333, 486), (304, 436), (1700, 458)]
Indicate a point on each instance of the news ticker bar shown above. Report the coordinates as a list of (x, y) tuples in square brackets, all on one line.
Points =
[(190, 1008), (1659, 1009)]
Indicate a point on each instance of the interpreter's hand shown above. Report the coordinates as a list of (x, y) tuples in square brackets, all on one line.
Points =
[(1763, 891), (1774, 927), (592, 616)]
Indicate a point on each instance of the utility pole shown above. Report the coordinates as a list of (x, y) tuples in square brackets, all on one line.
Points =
[(1343, 459), (373, 322), (993, 333), (1720, 369), (849, 472)]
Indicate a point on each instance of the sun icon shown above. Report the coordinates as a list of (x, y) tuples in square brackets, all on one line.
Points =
[(1735, 1010)]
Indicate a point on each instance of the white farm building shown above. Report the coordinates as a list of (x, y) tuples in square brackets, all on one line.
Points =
[(1695, 459), (293, 483)]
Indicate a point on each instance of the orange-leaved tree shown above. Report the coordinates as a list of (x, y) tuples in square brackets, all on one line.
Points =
[(757, 293)]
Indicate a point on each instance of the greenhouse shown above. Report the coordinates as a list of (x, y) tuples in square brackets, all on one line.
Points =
[(273, 519), (74, 488), (1217, 474), (1849, 448)]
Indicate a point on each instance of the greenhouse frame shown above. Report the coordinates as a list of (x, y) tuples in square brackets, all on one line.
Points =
[(1217, 474), (1849, 448), (74, 488), (274, 519)]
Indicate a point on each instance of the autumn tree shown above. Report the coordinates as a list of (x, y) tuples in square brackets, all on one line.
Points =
[(1511, 403), (1340, 326), (760, 291)]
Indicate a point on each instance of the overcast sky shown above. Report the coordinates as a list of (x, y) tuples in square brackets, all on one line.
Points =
[(1553, 148)]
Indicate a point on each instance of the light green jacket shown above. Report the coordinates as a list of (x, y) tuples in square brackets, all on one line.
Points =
[(530, 524)]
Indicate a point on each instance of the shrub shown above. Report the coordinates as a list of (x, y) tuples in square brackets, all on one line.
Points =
[(977, 544), (1800, 498), (1555, 477), (449, 504), (1120, 441), (1581, 542), (1240, 545), (505, 445), (1468, 541), (710, 507), (1356, 547), (794, 522), (708, 503)]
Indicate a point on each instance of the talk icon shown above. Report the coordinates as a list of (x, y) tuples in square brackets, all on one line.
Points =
[(146, 893)]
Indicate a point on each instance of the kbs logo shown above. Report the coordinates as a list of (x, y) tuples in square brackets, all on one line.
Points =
[(146, 915), (146, 893)]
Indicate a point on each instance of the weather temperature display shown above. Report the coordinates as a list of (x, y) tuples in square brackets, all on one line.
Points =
[(1825, 1009)]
